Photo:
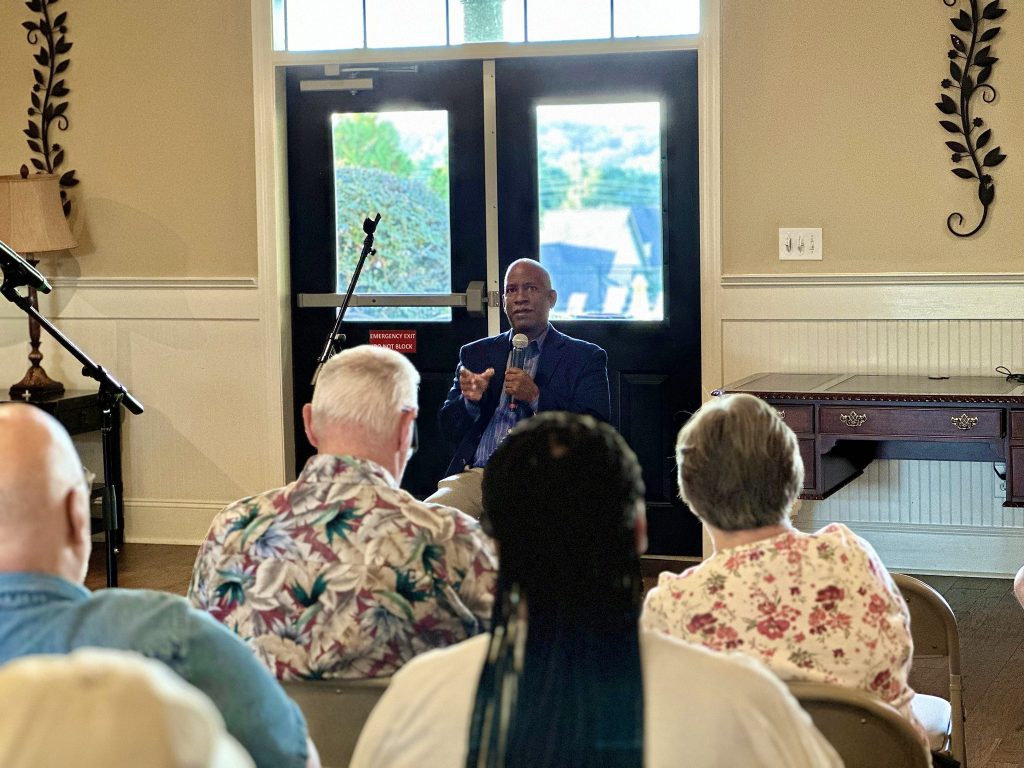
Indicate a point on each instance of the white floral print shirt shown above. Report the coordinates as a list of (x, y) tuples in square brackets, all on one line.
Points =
[(812, 606), (342, 574)]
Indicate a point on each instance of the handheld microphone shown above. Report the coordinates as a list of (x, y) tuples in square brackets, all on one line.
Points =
[(518, 359), (519, 345), (17, 271)]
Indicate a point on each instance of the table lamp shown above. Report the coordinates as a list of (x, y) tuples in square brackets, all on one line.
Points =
[(32, 221)]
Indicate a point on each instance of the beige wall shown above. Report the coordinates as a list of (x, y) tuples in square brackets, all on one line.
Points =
[(828, 120), (161, 135)]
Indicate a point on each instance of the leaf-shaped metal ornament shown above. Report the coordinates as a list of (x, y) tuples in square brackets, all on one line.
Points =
[(946, 105), (993, 11), (48, 105), (993, 158), (971, 63)]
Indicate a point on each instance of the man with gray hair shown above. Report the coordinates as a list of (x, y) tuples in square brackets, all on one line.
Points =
[(341, 574)]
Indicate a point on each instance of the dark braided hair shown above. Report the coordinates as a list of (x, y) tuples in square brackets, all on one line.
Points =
[(562, 685)]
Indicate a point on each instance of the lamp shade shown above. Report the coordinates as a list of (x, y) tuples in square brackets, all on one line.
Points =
[(31, 217)]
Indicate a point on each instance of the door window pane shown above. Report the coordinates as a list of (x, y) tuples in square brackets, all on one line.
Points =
[(395, 163), (568, 20), (650, 18), (324, 25), (485, 21), (405, 23), (599, 193)]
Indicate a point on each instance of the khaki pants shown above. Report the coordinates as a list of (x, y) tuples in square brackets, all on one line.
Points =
[(462, 491)]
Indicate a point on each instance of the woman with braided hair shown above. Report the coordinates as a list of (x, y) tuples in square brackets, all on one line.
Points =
[(567, 678)]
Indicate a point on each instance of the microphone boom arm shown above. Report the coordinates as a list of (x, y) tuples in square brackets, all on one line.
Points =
[(335, 337), (108, 384)]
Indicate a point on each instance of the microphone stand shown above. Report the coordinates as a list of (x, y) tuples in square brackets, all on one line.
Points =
[(112, 394), (335, 339)]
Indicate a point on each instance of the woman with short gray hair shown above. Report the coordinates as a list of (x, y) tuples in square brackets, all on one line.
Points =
[(812, 606)]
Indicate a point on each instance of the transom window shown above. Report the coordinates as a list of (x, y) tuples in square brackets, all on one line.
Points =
[(310, 25)]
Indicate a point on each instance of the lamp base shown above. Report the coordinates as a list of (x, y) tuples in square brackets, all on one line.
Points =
[(35, 384)]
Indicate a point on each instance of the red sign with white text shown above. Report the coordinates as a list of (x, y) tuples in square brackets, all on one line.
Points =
[(400, 341)]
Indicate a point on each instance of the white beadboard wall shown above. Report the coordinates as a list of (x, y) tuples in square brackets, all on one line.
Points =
[(926, 516), (191, 351)]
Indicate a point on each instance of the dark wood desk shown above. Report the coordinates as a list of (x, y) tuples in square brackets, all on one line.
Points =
[(80, 412), (844, 421)]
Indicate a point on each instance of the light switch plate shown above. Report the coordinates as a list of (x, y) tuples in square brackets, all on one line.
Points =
[(801, 244)]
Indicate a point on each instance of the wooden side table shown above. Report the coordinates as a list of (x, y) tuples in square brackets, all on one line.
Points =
[(80, 411), (844, 421)]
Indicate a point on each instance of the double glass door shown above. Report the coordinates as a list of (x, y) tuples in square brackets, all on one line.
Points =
[(591, 168)]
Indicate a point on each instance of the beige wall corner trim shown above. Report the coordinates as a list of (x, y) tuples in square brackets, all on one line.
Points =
[(884, 278), (113, 299), (155, 283), (277, 454), (710, 148)]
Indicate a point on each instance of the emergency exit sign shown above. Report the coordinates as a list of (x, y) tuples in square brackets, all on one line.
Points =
[(400, 341)]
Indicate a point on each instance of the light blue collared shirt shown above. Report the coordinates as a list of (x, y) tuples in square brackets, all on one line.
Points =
[(505, 416), (40, 613)]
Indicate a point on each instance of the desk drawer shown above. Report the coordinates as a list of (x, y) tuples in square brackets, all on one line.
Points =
[(799, 418), (912, 422), (1017, 425)]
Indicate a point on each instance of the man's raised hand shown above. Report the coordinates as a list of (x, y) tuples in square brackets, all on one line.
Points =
[(473, 385)]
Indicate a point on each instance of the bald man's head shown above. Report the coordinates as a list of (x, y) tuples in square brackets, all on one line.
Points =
[(44, 504)]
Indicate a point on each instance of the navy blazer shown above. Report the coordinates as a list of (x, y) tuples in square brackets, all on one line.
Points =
[(572, 375)]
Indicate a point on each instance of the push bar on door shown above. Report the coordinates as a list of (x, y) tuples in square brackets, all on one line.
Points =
[(475, 299)]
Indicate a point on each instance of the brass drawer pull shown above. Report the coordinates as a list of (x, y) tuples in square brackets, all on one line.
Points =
[(781, 412), (853, 419), (963, 421)]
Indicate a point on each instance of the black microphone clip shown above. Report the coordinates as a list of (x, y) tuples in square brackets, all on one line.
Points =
[(17, 271)]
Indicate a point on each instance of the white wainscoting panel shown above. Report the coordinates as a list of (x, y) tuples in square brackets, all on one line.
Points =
[(191, 351), (929, 516)]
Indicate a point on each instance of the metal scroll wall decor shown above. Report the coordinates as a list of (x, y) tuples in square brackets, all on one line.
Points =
[(49, 103), (970, 68)]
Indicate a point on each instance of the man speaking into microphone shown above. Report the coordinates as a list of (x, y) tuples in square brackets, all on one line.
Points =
[(501, 380)]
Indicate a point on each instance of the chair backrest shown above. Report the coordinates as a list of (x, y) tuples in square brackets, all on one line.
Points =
[(335, 712), (863, 729), (935, 633), (932, 621)]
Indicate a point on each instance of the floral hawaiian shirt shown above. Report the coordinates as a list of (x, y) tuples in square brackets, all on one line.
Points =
[(343, 574), (812, 606)]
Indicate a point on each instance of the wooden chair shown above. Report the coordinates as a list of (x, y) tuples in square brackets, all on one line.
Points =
[(863, 729), (335, 712), (933, 628)]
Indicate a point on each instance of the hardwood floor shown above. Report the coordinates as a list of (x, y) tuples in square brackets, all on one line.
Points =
[(992, 664), (991, 644), (164, 567)]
